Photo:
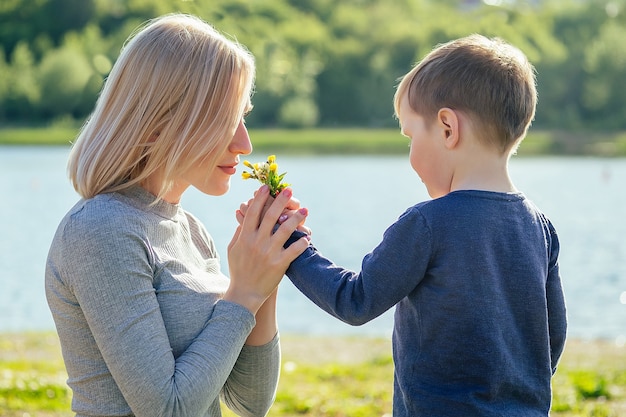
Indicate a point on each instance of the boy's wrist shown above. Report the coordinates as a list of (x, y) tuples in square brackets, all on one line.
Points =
[(295, 236)]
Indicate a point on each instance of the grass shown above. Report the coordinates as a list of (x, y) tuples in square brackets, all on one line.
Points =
[(53, 135), (268, 140), (355, 140), (321, 377), (32, 376)]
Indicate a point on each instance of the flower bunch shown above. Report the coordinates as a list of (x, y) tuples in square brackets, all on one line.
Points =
[(266, 173)]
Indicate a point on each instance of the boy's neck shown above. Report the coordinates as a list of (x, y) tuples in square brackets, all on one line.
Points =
[(484, 170)]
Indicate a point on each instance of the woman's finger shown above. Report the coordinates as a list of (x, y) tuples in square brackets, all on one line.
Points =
[(252, 218), (270, 218), (241, 212)]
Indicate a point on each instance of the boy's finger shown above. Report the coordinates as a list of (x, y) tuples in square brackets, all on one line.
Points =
[(295, 249), (243, 207), (293, 204), (304, 229), (287, 228)]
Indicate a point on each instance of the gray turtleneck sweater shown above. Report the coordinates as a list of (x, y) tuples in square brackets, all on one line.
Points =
[(134, 291)]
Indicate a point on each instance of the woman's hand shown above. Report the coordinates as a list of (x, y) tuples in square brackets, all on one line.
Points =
[(256, 257), (290, 209)]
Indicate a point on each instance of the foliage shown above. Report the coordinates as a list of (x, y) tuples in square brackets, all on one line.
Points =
[(21, 91), (64, 74), (320, 62)]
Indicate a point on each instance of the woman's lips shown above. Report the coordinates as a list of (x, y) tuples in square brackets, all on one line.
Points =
[(229, 169)]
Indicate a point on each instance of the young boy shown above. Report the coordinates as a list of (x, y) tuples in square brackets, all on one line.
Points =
[(480, 317)]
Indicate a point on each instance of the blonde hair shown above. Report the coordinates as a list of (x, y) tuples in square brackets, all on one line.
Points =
[(175, 96), (488, 79)]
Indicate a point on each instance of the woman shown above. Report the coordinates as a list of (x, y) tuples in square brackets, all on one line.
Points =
[(148, 324)]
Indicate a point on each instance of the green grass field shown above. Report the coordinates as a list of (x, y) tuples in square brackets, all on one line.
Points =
[(355, 141), (330, 377)]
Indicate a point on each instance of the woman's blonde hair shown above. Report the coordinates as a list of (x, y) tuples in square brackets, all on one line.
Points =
[(175, 96), (489, 79)]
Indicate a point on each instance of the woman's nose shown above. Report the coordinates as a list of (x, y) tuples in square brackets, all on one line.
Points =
[(241, 140)]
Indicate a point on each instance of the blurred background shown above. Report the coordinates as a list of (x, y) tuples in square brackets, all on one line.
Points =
[(326, 75), (321, 62), (325, 67)]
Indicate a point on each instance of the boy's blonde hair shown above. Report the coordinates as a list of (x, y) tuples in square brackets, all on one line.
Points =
[(175, 96), (488, 79)]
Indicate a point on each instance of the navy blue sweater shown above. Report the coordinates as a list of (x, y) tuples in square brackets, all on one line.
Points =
[(480, 319)]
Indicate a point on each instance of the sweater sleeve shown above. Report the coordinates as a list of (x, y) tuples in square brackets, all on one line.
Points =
[(251, 387), (109, 269), (387, 275), (557, 315)]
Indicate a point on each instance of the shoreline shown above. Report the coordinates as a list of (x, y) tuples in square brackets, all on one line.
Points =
[(354, 140)]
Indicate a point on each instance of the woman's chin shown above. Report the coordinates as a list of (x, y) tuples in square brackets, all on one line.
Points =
[(215, 190)]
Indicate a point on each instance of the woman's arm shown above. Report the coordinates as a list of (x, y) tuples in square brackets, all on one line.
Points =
[(257, 262), (257, 259), (108, 268), (251, 387), (107, 310), (266, 324)]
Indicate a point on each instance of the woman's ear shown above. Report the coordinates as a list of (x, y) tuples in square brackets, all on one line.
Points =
[(448, 122)]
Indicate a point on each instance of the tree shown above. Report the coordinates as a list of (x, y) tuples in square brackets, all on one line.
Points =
[(603, 101), (321, 62), (22, 91), (64, 74)]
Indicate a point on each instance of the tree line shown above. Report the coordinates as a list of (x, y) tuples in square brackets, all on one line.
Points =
[(320, 62)]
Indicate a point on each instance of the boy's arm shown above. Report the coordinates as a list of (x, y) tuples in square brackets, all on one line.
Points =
[(388, 274), (557, 315)]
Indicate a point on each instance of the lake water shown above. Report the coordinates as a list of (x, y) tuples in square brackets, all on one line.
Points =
[(352, 200)]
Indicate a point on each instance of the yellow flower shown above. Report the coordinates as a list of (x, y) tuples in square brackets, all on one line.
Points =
[(266, 173)]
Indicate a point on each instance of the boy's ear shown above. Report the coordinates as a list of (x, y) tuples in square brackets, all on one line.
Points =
[(448, 121)]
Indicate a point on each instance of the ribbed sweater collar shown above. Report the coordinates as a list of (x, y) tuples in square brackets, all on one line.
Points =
[(142, 199)]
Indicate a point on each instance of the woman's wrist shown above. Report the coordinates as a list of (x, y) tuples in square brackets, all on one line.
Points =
[(248, 300), (266, 323)]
